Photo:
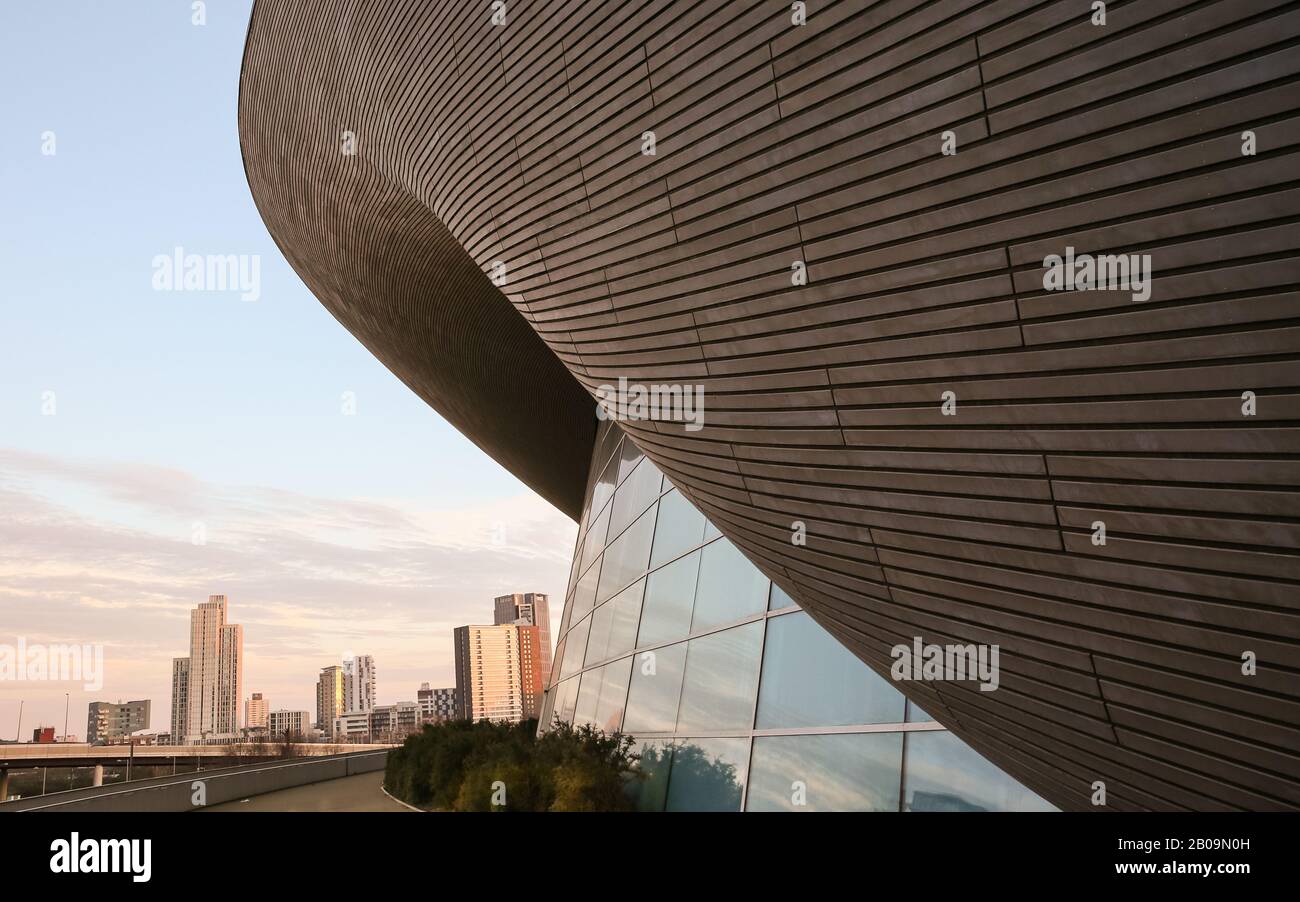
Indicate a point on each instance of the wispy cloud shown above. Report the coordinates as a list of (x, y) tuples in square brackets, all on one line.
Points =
[(118, 553)]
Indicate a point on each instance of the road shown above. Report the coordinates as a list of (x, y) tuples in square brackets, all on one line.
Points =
[(361, 792)]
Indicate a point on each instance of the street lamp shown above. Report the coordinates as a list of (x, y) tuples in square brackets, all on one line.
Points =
[(67, 700)]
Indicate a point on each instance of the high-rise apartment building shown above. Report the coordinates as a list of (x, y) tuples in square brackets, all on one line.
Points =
[(359, 684), (294, 723), (498, 672), (208, 685), (437, 705), (108, 723), (255, 711), (180, 698), (531, 608), (329, 698)]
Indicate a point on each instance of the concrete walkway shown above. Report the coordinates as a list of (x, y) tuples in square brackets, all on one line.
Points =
[(361, 792)]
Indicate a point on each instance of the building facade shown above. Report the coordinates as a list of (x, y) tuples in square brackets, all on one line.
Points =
[(359, 684), (292, 723), (533, 609), (498, 672), (180, 699), (329, 698), (848, 238), (109, 723), (255, 711), (393, 723), (207, 687), (737, 698), (437, 704)]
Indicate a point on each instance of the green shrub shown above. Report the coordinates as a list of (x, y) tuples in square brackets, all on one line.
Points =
[(463, 766)]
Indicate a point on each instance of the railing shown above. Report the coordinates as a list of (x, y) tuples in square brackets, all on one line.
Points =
[(188, 792)]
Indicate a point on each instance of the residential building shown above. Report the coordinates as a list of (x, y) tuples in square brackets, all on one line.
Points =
[(208, 685), (498, 672), (293, 723), (533, 609), (393, 723), (329, 698), (255, 710), (110, 723), (436, 705), (359, 684), (180, 699)]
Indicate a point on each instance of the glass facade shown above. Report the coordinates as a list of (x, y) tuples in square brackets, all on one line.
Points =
[(736, 698)]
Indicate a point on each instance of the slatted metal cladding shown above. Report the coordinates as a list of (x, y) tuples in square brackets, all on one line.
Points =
[(522, 144)]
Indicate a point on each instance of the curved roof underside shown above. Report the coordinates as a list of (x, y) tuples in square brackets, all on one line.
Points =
[(521, 143)]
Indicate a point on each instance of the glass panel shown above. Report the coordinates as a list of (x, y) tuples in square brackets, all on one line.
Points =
[(680, 528), (595, 541), (721, 680), (585, 594), (626, 607), (628, 457), (915, 714), (945, 774), (669, 594), (613, 696), (575, 649), (566, 699), (649, 789), (711, 531), (730, 587), (837, 772), (588, 697), (656, 687), (707, 774), (626, 557), (604, 487), (598, 635), (810, 680), (780, 600), (635, 495)]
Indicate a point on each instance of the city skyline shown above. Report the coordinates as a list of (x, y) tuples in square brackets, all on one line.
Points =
[(208, 411)]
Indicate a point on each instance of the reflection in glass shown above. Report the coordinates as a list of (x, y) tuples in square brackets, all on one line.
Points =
[(613, 695), (625, 611), (575, 649), (730, 587), (588, 696), (669, 594), (566, 700), (628, 457), (625, 558), (945, 774), (649, 788), (721, 680), (604, 488), (595, 541), (780, 600), (680, 528), (585, 593), (707, 774), (656, 687), (915, 714), (635, 495), (835, 772), (811, 680)]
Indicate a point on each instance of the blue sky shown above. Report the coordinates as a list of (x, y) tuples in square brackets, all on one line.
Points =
[(173, 408)]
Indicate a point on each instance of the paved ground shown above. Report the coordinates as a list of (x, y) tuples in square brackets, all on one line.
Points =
[(358, 793)]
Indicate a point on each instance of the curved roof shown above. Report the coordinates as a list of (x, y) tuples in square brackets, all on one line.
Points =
[(828, 144)]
